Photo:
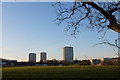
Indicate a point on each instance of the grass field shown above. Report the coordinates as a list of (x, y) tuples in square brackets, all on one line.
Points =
[(61, 72)]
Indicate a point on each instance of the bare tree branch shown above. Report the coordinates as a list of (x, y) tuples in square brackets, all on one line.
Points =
[(108, 43), (100, 15)]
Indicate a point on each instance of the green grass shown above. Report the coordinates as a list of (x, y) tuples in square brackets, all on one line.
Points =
[(61, 72)]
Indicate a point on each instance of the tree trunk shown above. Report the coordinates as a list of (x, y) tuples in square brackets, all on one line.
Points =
[(113, 22)]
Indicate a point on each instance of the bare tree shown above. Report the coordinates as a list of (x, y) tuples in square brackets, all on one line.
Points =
[(99, 15)]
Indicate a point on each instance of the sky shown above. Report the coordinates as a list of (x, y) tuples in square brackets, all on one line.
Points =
[(0, 29), (30, 27), (56, 0)]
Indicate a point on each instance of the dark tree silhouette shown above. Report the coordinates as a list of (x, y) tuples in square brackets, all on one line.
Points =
[(99, 15)]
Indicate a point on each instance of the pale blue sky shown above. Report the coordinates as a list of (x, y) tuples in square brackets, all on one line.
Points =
[(0, 29), (30, 27)]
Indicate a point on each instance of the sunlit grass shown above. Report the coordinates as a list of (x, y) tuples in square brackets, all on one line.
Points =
[(62, 72)]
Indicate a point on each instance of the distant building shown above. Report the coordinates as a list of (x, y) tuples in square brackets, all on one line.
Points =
[(95, 61), (68, 54), (7, 62), (106, 61), (32, 57), (85, 62), (116, 61), (43, 56), (12, 63)]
